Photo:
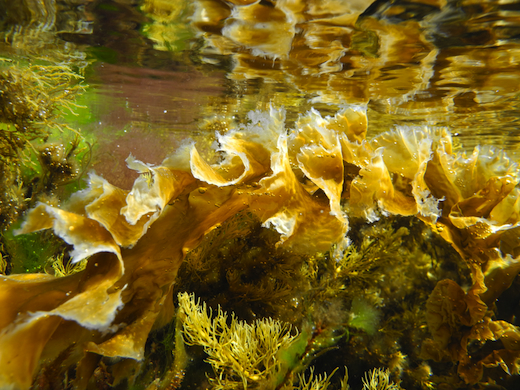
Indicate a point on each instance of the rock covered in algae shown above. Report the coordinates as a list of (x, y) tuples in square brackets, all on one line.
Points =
[(304, 184), (136, 241)]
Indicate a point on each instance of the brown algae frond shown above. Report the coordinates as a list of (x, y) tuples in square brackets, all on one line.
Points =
[(434, 214)]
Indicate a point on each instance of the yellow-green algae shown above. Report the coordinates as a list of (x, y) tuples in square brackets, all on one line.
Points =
[(42, 158)]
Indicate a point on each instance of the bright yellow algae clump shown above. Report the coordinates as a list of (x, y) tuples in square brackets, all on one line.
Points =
[(303, 184), (240, 353)]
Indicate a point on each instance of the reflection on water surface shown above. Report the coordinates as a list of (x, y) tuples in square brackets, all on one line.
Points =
[(412, 62), (435, 63)]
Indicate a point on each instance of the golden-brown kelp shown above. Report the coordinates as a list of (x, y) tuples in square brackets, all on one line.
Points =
[(457, 320), (304, 185), (99, 219)]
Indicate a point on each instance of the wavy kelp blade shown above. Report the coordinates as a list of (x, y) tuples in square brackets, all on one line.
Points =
[(93, 302), (86, 235), (103, 204), (373, 187), (21, 347), (320, 157), (153, 190), (36, 307), (304, 222), (415, 147), (247, 150)]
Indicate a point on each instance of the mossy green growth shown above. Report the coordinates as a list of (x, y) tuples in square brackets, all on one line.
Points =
[(289, 357), (364, 316), (34, 98), (33, 252)]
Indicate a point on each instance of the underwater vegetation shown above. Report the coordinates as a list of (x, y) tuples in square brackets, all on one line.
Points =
[(41, 156), (303, 253), (31, 98), (39, 153), (386, 255), (259, 355)]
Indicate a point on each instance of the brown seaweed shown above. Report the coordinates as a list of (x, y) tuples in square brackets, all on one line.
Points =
[(136, 240)]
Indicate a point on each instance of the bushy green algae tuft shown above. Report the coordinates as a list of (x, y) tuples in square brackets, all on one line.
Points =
[(264, 354), (364, 316), (40, 155)]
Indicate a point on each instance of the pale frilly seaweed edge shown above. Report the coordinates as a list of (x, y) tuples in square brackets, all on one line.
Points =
[(295, 182)]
